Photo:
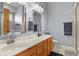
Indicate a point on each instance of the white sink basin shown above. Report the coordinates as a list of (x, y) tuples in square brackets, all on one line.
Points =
[(26, 39), (15, 46), (10, 47)]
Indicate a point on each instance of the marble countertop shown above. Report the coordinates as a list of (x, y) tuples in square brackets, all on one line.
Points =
[(20, 44)]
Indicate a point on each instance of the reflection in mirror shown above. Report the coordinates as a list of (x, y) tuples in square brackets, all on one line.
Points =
[(12, 21), (6, 20), (37, 21), (1, 13), (25, 22), (30, 26), (15, 16)]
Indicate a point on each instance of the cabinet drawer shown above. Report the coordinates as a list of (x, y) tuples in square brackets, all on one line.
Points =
[(28, 52), (40, 49)]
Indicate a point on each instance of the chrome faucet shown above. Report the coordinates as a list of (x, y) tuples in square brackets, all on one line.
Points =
[(11, 39)]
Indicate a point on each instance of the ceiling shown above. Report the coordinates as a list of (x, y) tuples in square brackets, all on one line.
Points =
[(15, 4)]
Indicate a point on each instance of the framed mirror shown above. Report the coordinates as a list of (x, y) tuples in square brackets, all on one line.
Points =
[(14, 18), (36, 21)]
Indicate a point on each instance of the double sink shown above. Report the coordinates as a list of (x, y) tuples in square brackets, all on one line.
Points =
[(22, 42)]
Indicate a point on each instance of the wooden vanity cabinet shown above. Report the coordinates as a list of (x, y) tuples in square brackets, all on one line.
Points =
[(41, 49)]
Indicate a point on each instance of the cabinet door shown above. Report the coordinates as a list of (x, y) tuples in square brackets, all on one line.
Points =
[(6, 20), (40, 49), (29, 52), (50, 45), (45, 48)]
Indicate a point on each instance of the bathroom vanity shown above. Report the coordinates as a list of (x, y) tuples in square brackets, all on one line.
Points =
[(30, 45), (41, 49)]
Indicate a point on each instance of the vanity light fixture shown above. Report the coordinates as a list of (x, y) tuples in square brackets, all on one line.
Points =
[(38, 8), (22, 3), (8, 2)]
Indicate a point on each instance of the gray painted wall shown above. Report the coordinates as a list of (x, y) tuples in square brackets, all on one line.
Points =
[(58, 13)]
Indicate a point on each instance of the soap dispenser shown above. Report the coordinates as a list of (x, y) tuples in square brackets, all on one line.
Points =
[(39, 34)]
